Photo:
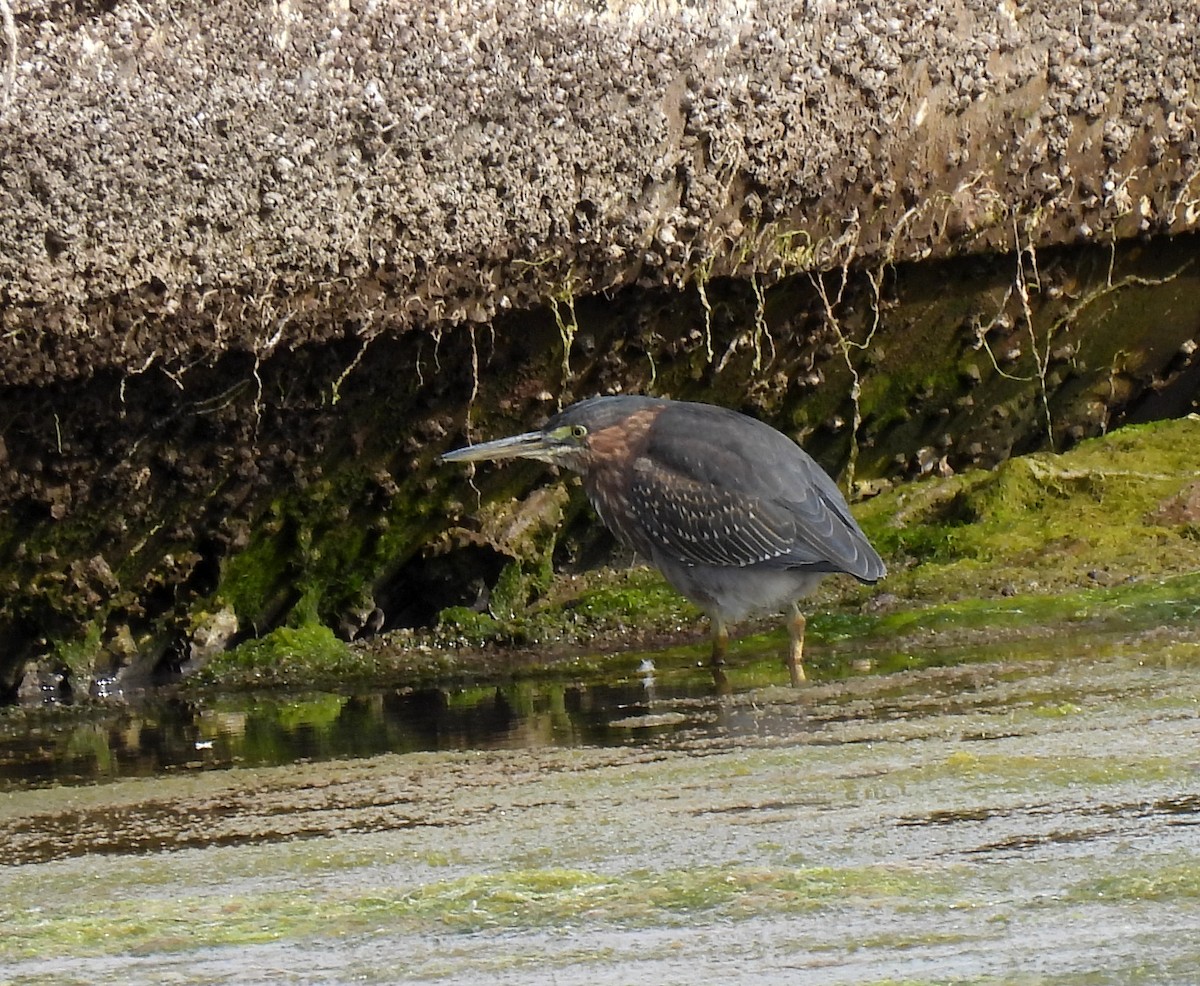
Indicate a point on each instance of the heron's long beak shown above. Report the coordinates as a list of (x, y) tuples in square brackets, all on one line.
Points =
[(531, 445)]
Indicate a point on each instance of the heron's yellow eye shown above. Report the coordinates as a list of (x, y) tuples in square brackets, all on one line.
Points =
[(578, 431)]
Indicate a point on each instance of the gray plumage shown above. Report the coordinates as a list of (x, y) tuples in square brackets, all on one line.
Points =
[(709, 488)]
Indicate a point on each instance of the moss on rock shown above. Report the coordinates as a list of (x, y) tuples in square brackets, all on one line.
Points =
[(295, 656)]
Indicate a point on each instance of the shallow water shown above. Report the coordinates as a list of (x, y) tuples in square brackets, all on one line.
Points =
[(633, 698), (156, 735), (1021, 812)]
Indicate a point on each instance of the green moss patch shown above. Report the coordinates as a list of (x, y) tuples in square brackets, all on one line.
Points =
[(1042, 523), (288, 655), (573, 610)]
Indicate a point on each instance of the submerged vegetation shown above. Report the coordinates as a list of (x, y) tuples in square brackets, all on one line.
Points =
[(518, 899), (852, 824)]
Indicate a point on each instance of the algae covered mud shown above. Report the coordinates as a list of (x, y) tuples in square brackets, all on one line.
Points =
[(1004, 810)]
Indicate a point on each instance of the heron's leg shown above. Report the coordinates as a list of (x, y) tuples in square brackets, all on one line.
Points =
[(795, 656), (720, 635)]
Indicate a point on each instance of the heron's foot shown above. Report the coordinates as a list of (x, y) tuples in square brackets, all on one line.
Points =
[(795, 670), (720, 681)]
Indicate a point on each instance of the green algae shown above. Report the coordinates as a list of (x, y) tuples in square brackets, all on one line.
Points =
[(642, 897), (286, 655), (629, 595), (863, 826), (1100, 330), (995, 773), (319, 552), (1145, 602), (1173, 880), (1043, 521), (613, 604), (77, 654), (254, 580), (325, 545), (575, 609), (519, 899), (469, 626)]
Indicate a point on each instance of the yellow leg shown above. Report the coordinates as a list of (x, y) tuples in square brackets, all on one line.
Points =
[(795, 656)]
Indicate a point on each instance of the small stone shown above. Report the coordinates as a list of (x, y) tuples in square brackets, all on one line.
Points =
[(211, 636)]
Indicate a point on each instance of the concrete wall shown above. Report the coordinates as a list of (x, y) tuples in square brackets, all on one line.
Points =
[(182, 178)]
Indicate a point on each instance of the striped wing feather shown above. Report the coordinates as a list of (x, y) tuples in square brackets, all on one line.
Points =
[(734, 492)]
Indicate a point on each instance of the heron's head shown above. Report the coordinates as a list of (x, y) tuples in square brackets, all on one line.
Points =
[(566, 439)]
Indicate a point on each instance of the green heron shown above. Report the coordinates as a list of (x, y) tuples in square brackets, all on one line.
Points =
[(737, 517)]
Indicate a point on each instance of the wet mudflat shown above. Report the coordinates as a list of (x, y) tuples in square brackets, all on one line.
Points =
[(1021, 813)]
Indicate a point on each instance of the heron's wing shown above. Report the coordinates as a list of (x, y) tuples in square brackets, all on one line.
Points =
[(705, 502), (701, 524)]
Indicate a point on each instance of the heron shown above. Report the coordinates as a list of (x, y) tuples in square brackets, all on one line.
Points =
[(739, 519)]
